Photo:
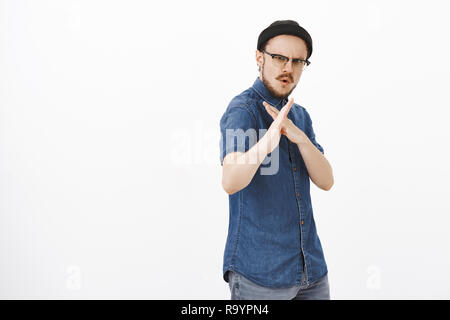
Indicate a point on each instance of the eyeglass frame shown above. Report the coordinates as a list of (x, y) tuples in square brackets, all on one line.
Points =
[(287, 59)]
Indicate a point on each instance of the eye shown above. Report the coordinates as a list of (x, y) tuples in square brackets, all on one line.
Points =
[(280, 58)]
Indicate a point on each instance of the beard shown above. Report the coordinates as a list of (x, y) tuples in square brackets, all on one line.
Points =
[(271, 89)]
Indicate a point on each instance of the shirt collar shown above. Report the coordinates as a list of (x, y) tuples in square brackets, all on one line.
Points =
[(262, 91)]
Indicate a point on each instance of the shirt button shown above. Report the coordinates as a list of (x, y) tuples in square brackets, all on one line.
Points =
[(295, 169), (298, 194), (303, 222)]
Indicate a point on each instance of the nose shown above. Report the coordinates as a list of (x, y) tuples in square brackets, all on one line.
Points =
[(288, 67)]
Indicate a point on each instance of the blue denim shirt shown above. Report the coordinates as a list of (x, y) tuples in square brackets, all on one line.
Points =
[(272, 238)]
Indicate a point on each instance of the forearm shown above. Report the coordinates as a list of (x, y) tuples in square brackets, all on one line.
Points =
[(239, 167), (319, 169)]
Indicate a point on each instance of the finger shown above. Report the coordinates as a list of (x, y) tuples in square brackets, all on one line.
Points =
[(286, 108), (274, 109), (270, 110), (268, 106), (272, 114)]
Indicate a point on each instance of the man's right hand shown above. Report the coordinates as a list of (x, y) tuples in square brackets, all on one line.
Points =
[(273, 134)]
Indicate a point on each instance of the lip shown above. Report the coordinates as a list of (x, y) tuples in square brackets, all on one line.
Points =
[(284, 83)]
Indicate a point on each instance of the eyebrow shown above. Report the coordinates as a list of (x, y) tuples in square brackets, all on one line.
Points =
[(288, 57)]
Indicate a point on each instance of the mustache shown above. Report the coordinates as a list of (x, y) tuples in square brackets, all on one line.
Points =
[(286, 76)]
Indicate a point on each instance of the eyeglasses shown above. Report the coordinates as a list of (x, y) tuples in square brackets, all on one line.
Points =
[(280, 61)]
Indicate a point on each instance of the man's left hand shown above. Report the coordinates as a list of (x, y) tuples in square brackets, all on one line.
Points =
[(289, 129)]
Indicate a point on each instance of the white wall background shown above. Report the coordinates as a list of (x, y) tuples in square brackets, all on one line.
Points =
[(109, 144)]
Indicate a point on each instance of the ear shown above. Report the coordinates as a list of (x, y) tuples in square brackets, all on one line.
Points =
[(259, 58)]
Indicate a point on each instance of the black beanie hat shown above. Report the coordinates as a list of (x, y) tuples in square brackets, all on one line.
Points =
[(285, 27)]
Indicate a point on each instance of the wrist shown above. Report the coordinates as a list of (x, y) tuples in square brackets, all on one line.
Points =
[(302, 139), (264, 147)]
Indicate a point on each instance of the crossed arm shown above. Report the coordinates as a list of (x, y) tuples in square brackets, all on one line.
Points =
[(319, 169), (238, 170)]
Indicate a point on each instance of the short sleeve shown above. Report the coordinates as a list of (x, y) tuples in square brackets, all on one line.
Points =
[(310, 132), (238, 131)]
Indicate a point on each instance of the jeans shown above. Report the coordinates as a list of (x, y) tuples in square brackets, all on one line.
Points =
[(243, 289)]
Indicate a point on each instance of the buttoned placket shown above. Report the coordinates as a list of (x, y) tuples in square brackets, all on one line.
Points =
[(300, 241), (304, 280)]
